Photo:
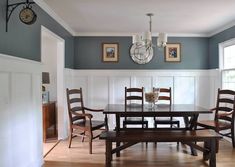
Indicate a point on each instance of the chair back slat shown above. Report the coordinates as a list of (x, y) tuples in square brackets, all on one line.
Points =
[(134, 98), (166, 90), (164, 98), (75, 100), (76, 109), (227, 92), (134, 89), (226, 100), (225, 109), (74, 91)]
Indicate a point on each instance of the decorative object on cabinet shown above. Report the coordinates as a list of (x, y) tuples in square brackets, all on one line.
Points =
[(45, 80), (110, 52), (49, 120), (141, 50), (172, 52), (26, 15)]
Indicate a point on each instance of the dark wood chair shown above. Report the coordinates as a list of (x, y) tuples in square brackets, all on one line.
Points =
[(224, 115), (81, 123), (134, 94), (165, 95)]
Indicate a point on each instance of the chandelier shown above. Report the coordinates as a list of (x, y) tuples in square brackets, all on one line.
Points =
[(141, 50)]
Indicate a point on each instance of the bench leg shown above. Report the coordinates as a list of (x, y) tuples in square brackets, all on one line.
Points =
[(212, 162), (193, 151), (206, 154), (118, 152), (108, 153)]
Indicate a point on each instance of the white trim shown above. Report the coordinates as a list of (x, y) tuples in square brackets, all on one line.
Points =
[(5, 56), (221, 47), (46, 30), (225, 27), (123, 34), (60, 42), (51, 12)]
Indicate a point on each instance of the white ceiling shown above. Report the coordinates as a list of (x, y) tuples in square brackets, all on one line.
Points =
[(126, 17)]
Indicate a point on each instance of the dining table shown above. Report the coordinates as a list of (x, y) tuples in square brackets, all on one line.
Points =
[(189, 112)]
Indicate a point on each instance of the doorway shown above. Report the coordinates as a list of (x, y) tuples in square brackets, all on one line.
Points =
[(52, 58)]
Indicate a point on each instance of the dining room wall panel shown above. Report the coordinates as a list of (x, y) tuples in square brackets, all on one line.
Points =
[(107, 86), (184, 90), (202, 96), (98, 93), (117, 89), (21, 112), (143, 81)]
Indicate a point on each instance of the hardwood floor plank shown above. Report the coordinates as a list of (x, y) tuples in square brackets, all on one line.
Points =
[(163, 155)]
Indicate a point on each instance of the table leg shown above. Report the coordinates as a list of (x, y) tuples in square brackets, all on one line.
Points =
[(117, 130), (190, 125), (106, 122)]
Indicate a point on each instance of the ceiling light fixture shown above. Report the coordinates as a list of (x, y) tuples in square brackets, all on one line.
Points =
[(141, 50)]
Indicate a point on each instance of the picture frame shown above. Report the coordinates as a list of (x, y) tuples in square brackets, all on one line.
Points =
[(173, 52), (110, 52)]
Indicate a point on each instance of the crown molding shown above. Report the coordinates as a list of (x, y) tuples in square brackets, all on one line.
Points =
[(51, 12), (121, 34), (225, 27)]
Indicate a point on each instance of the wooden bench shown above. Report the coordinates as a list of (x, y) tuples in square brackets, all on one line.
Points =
[(188, 137)]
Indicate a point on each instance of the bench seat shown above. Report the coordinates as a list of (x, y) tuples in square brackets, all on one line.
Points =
[(131, 137), (159, 136)]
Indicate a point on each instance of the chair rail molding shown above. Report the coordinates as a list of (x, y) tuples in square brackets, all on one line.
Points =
[(21, 115)]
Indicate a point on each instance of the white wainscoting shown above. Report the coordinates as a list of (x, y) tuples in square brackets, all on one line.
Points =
[(107, 86), (21, 116)]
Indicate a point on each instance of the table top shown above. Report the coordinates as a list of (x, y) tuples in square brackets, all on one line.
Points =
[(159, 109)]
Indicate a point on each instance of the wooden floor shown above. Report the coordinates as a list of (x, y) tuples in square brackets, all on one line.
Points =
[(164, 155)]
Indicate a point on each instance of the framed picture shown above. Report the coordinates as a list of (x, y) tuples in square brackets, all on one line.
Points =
[(110, 52), (172, 52)]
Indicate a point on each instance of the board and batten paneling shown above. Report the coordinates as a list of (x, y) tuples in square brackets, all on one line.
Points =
[(20, 109), (107, 86)]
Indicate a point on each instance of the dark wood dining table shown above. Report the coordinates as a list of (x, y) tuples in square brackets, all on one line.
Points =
[(189, 112)]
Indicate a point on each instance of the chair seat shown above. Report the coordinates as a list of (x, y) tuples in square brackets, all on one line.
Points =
[(211, 124), (166, 121), (84, 124)]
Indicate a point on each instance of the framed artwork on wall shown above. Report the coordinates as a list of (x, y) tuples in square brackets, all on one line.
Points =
[(172, 52), (110, 52)]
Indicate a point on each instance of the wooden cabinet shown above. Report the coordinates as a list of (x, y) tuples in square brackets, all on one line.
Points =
[(49, 120)]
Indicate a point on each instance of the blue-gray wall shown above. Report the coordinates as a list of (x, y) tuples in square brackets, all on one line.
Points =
[(88, 54), (213, 46), (24, 41)]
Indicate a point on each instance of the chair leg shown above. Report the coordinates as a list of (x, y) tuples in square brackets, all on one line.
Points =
[(217, 143), (233, 137), (155, 126), (70, 138), (178, 126), (83, 136), (146, 125), (90, 142)]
